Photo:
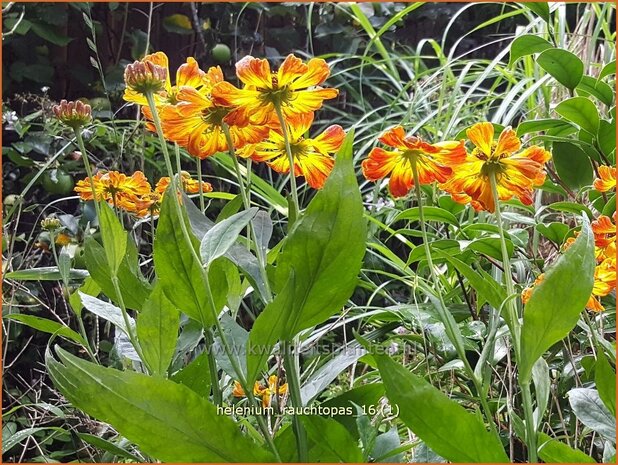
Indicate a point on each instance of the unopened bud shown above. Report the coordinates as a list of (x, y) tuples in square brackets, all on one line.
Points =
[(51, 224), (73, 114), (145, 76)]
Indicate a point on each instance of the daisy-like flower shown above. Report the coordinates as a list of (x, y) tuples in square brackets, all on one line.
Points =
[(188, 74), (312, 157), (73, 114), (294, 87), (116, 188), (606, 180), (604, 230), (433, 161), (196, 122), (273, 389), (150, 203), (516, 173)]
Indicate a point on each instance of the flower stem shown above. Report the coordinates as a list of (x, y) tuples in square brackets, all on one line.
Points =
[(293, 379), (450, 325), (157, 123), (212, 367), (515, 326), (199, 177), (288, 149), (82, 148), (247, 203)]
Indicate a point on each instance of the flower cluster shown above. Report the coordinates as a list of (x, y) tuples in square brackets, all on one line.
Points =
[(206, 114), (265, 392), (466, 176), (134, 193), (604, 230)]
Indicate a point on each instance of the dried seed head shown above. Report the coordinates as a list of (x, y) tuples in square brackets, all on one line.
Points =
[(73, 114), (145, 76)]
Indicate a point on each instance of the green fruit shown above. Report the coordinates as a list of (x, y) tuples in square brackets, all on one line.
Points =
[(11, 200), (79, 259), (221, 53), (57, 181)]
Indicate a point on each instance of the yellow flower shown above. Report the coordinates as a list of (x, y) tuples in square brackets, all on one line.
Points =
[(116, 188), (295, 88), (432, 161), (516, 173), (273, 389), (312, 157), (606, 180)]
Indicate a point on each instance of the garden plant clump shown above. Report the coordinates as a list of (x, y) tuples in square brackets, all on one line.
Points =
[(393, 249)]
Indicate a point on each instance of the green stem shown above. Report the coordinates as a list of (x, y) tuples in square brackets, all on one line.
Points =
[(450, 325), (217, 395), (199, 177), (515, 326), (82, 148), (204, 271), (293, 380), (247, 203), (288, 149)]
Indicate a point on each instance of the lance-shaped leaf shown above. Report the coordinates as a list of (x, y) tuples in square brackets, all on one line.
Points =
[(218, 240)]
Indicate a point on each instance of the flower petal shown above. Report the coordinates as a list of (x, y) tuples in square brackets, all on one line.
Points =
[(508, 143), (254, 72), (482, 135)]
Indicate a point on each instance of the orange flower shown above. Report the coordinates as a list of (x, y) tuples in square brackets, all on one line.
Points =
[(295, 87), (196, 123), (312, 157), (527, 292), (517, 173), (604, 231), (238, 391), (606, 180), (432, 161), (115, 188), (273, 389)]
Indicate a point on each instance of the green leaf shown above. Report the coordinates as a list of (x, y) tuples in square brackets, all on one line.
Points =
[(571, 207), (45, 273), (194, 375), (542, 125), (89, 287), (326, 246), (607, 137), (553, 451), (337, 444), (564, 66), (47, 326), (490, 246), (133, 287), (157, 331), (46, 32), (180, 272), (527, 44), (424, 409), (107, 311), (218, 240), (11, 441), (598, 89), (572, 164), (431, 214), (541, 9), (114, 237), (166, 420), (556, 303), (580, 111), (589, 409), (108, 446), (605, 379), (608, 69), (555, 232)]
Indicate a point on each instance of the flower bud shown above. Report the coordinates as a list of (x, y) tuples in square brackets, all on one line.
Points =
[(145, 76), (51, 224), (73, 114)]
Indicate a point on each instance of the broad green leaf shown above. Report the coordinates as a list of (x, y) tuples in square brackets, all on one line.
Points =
[(325, 246), (555, 232), (48, 32), (443, 424), (580, 111), (541, 9), (45, 273), (195, 375), (431, 214), (166, 420), (490, 246), (608, 70), (238, 253), (334, 439), (47, 326), (236, 336), (598, 89), (179, 269), (89, 287), (564, 66), (527, 44), (541, 380), (571, 207), (605, 379), (218, 240), (133, 287), (108, 446), (157, 331), (387, 446), (554, 451), (572, 164), (607, 137), (107, 311), (590, 410), (11, 441), (556, 303), (114, 237), (542, 125), (230, 208)]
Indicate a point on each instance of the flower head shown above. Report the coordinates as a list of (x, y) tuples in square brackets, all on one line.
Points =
[(606, 180), (294, 87), (73, 114), (116, 188), (145, 76), (312, 156), (272, 389), (516, 173), (432, 161)]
